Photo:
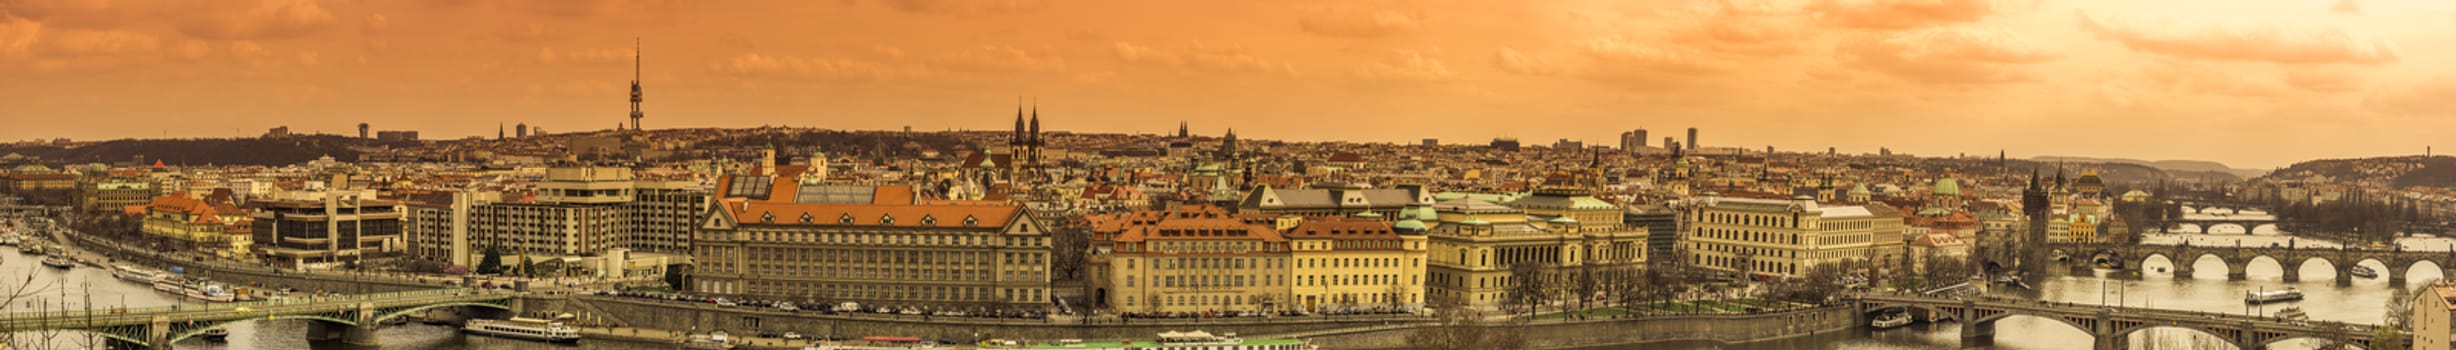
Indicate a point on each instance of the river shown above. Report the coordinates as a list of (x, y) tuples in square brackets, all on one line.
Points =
[(54, 289)]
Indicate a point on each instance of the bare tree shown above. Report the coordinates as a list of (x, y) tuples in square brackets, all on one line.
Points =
[(1459, 328), (1529, 286)]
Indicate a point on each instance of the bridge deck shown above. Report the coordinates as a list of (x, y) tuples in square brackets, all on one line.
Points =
[(21, 321)]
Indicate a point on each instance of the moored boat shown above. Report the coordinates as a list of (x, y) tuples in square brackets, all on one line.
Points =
[(1174, 340), (2272, 296), (1890, 320), (208, 292), (55, 260), (524, 328), (2293, 313), (877, 343), (134, 274), (717, 340), (2365, 272), (216, 334)]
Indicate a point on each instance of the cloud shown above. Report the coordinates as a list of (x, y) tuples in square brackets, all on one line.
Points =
[(83, 43), (1406, 65), (2190, 78), (1899, 14), (1510, 60), (377, 23), (2348, 7), (1940, 55), (1362, 22), (549, 55), (265, 20), (966, 7), (1741, 30), (246, 49), (815, 68), (2271, 43), (2429, 97), (1000, 59), (2316, 80), (1200, 58), (18, 36), (1627, 53)]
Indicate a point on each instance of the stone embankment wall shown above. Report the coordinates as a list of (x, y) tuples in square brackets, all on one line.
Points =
[(239, 276), (1602, 333)]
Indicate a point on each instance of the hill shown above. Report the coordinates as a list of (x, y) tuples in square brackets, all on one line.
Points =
[(245, 151), (2400, 171), (2180, 168)]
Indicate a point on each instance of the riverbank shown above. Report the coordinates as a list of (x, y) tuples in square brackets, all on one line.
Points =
[(661, 336)]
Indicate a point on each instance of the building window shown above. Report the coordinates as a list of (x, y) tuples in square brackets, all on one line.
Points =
[(884, 219), (927, 220), (847, 219), (970, 221), (767, 218), (806, 218)]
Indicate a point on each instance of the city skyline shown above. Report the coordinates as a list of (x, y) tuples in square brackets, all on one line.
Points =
[(2251, 85)]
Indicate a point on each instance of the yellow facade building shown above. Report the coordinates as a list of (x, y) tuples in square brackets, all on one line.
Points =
[(209, 226), (1189, 259), (1347, 264), (1764, 238), (1475, 243)]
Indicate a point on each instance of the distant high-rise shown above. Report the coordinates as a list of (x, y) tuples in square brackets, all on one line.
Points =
[(362, 130), (1692, 140), (1671, 144), (1505, 144), (1632, 140), (1432, 142), (635, 86), (521, 131)]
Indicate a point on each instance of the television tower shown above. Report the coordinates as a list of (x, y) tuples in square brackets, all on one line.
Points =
[(635, 85)]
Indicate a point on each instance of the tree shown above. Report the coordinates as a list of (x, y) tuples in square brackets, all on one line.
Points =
[(1458, 328), (1529, 283), (2384, 337), (492, 263), (2399, 311)]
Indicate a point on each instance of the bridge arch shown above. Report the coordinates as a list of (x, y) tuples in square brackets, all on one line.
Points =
[(379, 318), (2126, 333), (2084, 330), (2271, 342), (183, 332), (2415, 265)]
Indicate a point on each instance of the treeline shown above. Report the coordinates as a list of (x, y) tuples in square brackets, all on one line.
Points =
[(246, 151), (2356, 216)]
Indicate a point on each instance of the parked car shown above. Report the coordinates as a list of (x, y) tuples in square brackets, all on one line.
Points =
[(726, 303), (787, 307), (793, 336)]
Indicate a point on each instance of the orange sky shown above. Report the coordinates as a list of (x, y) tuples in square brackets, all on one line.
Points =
[(2250, 83)]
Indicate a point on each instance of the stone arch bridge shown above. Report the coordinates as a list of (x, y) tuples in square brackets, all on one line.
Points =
[(352, 319), (2109, 326), (2238, 259)]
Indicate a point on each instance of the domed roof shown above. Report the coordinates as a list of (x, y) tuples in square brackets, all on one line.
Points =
[(1369, 215), (1860, 189), (1409, 225), (1476, 221), (1948, 187)]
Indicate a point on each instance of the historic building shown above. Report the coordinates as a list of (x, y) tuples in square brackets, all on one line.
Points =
[(109, 191), (763, 239), (1475, 243), (316, 230), (1333, 200), (1190, 259), (1350, 263), (211, 224), (1762, 238)]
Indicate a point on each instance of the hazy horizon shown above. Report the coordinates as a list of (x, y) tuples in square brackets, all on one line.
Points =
[(2251, 85)]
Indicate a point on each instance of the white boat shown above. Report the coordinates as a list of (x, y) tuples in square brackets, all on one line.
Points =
[(134, 274), (1173, 340), (216, 334), (524, 328), (2293, 313), (717, 340), (2271, 296), (208, 292), (55, 260), (170, 284), (1890, 320), (2365, 272), (876, 343)]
